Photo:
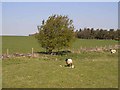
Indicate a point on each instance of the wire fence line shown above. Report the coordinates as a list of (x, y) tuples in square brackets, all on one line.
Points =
[(72, 50)]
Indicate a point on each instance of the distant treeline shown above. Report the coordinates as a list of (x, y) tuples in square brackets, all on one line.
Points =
[(91, 33)]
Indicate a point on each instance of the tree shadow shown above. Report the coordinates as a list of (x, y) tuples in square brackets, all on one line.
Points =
[(55, 53)]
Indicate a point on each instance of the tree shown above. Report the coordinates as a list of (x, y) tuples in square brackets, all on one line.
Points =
[(56, 32), (117, 35), (111, 33)]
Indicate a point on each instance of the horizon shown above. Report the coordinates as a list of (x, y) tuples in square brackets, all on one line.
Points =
[(102, 15)]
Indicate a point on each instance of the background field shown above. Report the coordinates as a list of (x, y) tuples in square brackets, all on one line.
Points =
[(23, 44), (92, 69)]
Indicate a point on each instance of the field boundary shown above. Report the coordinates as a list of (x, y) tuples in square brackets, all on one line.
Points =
[(78, 51)]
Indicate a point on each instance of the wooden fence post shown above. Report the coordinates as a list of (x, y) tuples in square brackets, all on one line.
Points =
[(7, 51), (32, 52), (73, 50)]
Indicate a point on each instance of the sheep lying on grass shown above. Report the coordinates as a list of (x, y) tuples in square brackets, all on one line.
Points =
[(69, 63), (113, 50)]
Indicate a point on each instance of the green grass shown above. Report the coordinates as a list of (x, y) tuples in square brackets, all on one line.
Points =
[(100, 71), (86, 43), (23, 44), (0, 74), (92, 69), (0, 63)]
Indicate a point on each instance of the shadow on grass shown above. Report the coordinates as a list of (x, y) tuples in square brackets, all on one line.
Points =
[(55, 53)]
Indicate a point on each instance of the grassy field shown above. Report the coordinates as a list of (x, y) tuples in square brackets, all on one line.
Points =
[(19, 44), (24, 44), (92, 43), (92, 69)]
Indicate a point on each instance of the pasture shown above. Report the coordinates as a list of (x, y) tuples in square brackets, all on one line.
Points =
[(23, 44), (92, 69)]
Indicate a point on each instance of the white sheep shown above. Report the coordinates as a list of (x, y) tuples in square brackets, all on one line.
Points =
[(69, 62), (113, 50)]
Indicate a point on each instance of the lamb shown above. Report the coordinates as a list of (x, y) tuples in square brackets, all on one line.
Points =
[(113, 50), (69, 63)]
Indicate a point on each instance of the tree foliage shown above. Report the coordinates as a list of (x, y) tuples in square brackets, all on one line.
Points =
[(56, 32), (88, 33)]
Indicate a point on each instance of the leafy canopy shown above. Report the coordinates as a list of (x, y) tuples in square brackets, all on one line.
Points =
[(56, 33)]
